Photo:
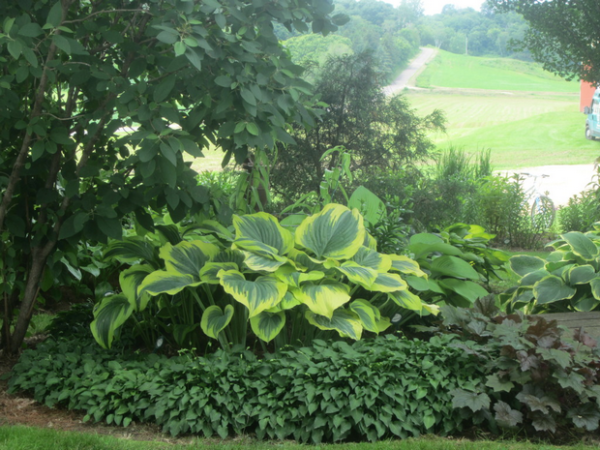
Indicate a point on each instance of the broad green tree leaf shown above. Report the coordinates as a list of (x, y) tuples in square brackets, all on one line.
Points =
[(581, 245), (454, 267), (524, 264), (130, 281), (335, 232), (552, 289), (214, 320), (267, 325), (109, 315), (259, 295), (324, 298), (265, 228), (344, 322)]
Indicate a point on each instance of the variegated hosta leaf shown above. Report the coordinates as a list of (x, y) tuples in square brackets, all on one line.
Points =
[(407, 299), (304, 262), (132, 249), (595, 285), (367, 257), (130, 281), (370, 316), (370, 242), (265, 228), (292, 277), (267, 325), (266, 263), (335, 232), (404, 264), (344, 322), (358, 274), (387, 282), (431, 309), (188, 257), (214, 320), (254, 246), (323, 299), (208, 274), (260, 295), (214, 227), (230, 256), (167, 282), (109, 315)]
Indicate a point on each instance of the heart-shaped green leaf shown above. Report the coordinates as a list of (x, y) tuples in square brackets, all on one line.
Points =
[(344, 322), (267, 325), (109, 315), (259, 295), (214, 320)]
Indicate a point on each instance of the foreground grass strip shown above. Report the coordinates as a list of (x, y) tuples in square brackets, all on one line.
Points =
[(26, 438)]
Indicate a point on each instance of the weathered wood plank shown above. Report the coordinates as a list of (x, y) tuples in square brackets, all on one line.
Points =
[(589, 321)]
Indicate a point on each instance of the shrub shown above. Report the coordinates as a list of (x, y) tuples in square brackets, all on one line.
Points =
[(373, 389), (580, 213), (536, 379)]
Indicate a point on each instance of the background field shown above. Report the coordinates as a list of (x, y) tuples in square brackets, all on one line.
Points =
[(523, 128)]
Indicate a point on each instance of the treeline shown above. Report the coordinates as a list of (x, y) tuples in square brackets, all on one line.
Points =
[(394, 34)]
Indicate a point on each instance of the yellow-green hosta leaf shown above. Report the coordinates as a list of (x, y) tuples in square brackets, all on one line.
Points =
[(214, 320), (305, 262), (110, 314), (370, 242), (292, 277), (581, 274), (214, 227), (387, 282), (259, 295), (404, 264), (131, 280), (407, 299), (265, 228), (581, 245), (369, 316), (208, 274), (346, 323), (357, 273), (431, 309), (367, 257), (229, 256), (188, 257), (595, 285), (335, 232), (289, 302), (267, 325), (323, 299), (266, 263), (167, 282), (254, 246), (552, 289)]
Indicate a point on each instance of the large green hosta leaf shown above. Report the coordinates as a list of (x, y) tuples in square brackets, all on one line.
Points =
[(582, 274), (405, 265), (358, 274), (387, 282), (259, 295), (109, 315), (524, 264), (187, 258), (131, 280), (209, 273), (167, 282), (267, 325), (367, 257), (133, 249), (407, 299), (214, 320), (324, 298), (581, 245), (454, 267), (346, 323), (292, 277), (467, 289), (552, 289), (335, 232), (265, 228), (369, 316)]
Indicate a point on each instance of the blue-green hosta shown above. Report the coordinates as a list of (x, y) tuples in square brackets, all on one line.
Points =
[(568, 280), (325, 275)]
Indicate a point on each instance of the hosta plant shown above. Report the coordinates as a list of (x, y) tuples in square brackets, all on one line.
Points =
[(568, 280), (459, 263), (288, 286)]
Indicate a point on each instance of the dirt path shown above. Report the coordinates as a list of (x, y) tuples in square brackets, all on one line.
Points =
[(407, 76)]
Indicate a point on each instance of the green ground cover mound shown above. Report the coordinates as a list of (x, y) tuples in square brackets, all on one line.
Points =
[(469, 72)]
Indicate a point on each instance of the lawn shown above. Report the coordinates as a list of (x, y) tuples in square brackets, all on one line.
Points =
[(467, 72)]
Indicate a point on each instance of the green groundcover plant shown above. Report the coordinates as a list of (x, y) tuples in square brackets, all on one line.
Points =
[(330, 391)]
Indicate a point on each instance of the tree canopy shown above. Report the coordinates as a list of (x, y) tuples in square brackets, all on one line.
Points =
[(102, 98), (564, 35)]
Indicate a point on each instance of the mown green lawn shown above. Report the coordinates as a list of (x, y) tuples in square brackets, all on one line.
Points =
[(462, 71), (25, 438)]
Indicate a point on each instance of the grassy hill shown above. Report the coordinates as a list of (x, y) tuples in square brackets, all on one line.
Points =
[(524, 127), (463, 71)]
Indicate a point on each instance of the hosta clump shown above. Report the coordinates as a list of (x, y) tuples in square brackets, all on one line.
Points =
[(536, 376), (289, 285), (330, 391), (568, 280), (458, 261)]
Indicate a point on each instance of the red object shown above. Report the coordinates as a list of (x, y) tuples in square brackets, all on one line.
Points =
[(586, 94)]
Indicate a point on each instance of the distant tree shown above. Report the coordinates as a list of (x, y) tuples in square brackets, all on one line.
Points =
[(564, 35), (379, 131)]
